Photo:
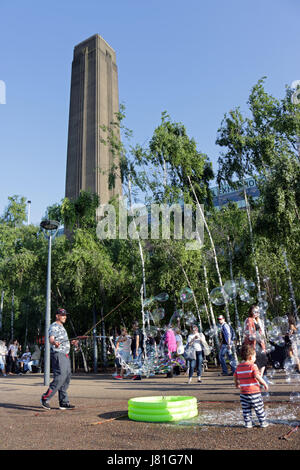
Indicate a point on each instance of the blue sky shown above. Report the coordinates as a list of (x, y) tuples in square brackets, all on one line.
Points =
[(194, 59)]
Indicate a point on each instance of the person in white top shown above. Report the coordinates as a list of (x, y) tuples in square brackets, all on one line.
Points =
[(123, 351), (196, 339)]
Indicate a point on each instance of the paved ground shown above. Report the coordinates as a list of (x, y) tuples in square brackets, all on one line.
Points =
[(100, 420)]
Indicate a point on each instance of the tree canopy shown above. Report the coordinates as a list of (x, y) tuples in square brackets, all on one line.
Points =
[(92, 276)]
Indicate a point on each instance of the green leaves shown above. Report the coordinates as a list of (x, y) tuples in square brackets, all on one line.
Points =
[(15, 212)]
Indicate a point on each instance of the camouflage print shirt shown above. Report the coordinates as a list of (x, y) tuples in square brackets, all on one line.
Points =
[(60, 335)]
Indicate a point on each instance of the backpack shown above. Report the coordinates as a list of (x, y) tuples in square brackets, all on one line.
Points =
[(232, 332)]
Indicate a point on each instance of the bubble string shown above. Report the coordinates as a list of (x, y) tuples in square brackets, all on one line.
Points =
[(215, 260), (237, 317), (143, 322), (216, 337), (189, 284)]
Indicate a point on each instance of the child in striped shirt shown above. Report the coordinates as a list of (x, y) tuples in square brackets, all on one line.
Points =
[(248, 379)]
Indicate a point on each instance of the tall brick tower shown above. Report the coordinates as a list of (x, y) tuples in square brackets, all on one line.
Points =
[(94, 100)]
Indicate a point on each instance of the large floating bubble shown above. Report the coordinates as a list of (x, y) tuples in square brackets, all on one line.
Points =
[(217, 296), (230, 289), (177, 315), (163, 297), (241, 282), (186, 295)]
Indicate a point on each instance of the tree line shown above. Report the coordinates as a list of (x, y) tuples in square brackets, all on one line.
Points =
[(91, 276)]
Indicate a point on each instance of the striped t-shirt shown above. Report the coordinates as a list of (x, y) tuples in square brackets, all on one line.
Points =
[(246, 372)]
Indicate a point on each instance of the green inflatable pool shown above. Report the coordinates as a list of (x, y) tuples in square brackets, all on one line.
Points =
[(162, 409)]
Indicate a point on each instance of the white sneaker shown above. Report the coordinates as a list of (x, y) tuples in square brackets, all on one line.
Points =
[(248, 426), (264, 424), (190, 381)]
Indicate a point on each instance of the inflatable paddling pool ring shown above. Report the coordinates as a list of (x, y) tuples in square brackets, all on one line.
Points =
[(162, 409)]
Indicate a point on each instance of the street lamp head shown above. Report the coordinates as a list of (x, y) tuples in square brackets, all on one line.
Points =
[(49, 224)]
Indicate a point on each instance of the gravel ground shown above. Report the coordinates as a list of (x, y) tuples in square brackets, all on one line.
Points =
[(100, 420)]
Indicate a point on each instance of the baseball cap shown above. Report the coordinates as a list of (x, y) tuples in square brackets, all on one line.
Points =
[(220, 317), (62, 311)]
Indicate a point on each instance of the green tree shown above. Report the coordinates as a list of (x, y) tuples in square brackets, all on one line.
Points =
[(15, 212)]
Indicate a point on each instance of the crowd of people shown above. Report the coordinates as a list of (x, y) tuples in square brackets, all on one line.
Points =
[(130, 350), (14, 361), (249, 371)]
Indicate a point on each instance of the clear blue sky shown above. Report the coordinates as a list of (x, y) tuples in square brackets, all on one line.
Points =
[(195, 59)]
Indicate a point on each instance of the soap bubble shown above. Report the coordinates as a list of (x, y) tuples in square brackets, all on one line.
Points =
[(263, 295), (263, 305), (148, 301), (289, 365), (281, 324), (213, 331), (163, 297), (241, 282), (186, 295), (190, 319), (217, 296), (230, 289), (157, 314), (153, 330), (244, 294), (177, 315), (250, 285)]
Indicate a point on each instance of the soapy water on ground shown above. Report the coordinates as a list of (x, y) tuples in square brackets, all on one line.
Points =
[(279, 414)]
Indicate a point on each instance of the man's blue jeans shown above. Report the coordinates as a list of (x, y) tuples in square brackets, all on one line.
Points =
[(225, 351)]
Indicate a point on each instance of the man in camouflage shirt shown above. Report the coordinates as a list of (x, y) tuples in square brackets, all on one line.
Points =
[(60, 361)]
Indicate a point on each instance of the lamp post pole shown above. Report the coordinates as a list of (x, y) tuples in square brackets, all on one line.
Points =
[(50, 228)]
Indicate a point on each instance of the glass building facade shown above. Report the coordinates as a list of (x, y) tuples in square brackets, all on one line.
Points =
[(225, 194)]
